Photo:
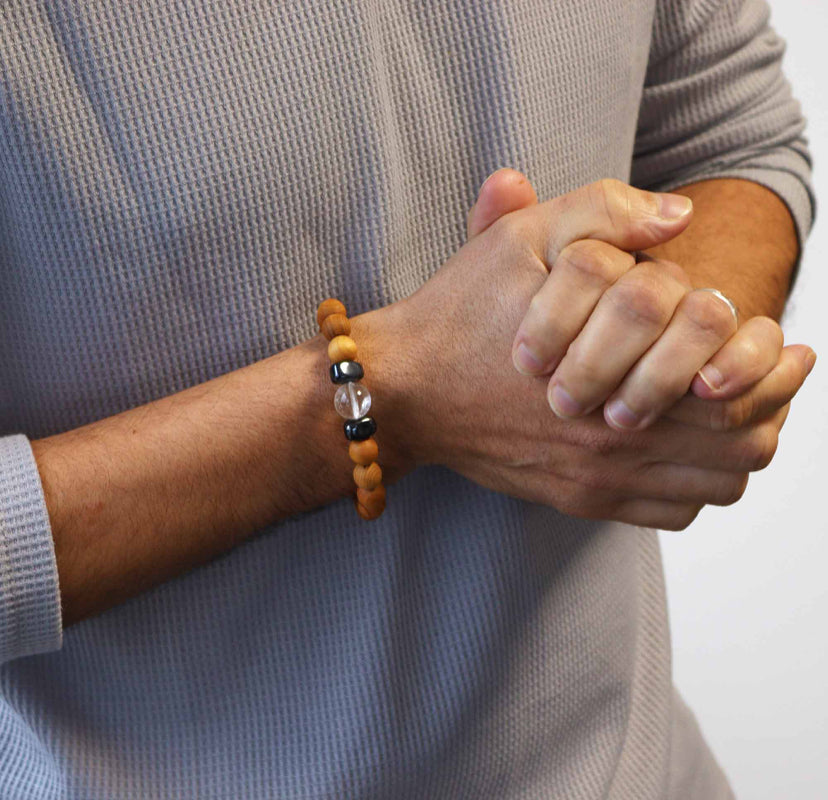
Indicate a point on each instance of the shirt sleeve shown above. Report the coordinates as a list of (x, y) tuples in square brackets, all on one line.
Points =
[(30, 611), (716, 104)]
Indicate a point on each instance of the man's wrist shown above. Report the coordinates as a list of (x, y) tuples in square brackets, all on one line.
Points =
[(385, 343)]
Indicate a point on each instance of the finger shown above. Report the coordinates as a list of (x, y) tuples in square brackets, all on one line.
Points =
[(747, 449), (746, 358), (686, 484), (763, 399), (629, 317), (503, 191), (662, 514), (633, 476), (557, 312), (609, 210), (700, 326)]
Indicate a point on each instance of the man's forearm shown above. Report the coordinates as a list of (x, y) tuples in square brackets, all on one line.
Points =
[(742, 241), (141, 496)]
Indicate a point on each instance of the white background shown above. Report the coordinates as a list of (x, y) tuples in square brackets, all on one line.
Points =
[(747, 584)]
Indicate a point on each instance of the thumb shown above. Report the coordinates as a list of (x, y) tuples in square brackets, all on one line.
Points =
[(503, 191), (611, 211)]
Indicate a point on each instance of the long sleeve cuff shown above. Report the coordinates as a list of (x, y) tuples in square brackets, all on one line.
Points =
[(30, 611)]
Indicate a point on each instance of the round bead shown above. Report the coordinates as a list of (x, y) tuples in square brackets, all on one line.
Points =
[(368, 477), (364, 512), (370, 502), (335, 325), (342, 348), (363, 452), (352, 400), (360, 428), (345, 371), (328, 307)]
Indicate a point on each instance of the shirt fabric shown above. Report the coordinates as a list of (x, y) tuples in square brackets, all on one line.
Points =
[(181, 183)]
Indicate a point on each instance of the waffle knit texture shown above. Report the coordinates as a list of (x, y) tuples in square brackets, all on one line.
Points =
[(181, 183)]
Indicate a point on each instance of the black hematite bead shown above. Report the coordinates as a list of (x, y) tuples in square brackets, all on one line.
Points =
[(346, 371), (358, 429)]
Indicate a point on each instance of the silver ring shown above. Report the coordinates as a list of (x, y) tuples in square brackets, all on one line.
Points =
[(730, 304)]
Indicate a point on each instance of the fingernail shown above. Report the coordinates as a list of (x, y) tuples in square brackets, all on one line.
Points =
[(675, 206), (526, 361), (619, 412), (810, 360), (562, 403), (712, 377)]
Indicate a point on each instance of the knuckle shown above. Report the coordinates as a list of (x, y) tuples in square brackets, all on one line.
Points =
[(720, 416), (750, 353), (594, 261), (735, 413), (676, 272), (732, 490), (761, 448), (610, 185), (609, 189), (688, 516), (680, 518), (772, 327), (609, 196), (741, 488), (509, 231), (709, 315), (642, 300)]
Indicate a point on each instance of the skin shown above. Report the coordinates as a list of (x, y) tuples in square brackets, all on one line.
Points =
[(142, 496), (634, 337), (497, 431), (749, 366)]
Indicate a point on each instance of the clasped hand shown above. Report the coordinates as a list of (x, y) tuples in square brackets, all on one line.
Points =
[(616, 344)]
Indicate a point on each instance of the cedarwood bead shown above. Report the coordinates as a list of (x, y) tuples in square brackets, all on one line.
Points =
[(371, 500), (342, 348), (363, 452), (364, 512), (335, 325), (368, 477), (328, 307)]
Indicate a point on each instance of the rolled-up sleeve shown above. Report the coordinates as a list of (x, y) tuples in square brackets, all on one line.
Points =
[(30, 611), (716, 104)]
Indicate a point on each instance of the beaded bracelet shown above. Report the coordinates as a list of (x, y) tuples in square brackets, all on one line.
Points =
[(353, 402)]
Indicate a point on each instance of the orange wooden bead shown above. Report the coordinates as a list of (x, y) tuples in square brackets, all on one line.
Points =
[(364, 512), (335, 325), (342, 348), (368, 477), (328, 307), (371, 502), (363, 452)]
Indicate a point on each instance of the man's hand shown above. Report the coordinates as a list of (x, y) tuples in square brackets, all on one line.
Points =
[(471, 412), (629, 336)]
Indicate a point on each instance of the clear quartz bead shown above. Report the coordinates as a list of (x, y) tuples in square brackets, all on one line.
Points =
[(352, 400)]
